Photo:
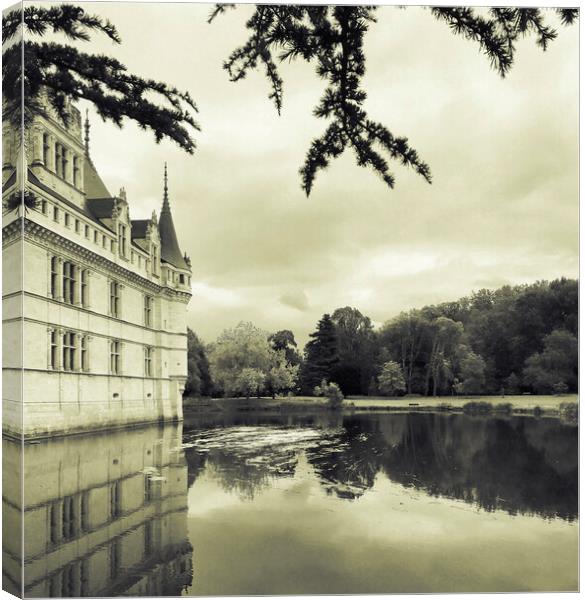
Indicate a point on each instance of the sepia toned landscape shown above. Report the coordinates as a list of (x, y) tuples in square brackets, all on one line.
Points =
[(290, 299)]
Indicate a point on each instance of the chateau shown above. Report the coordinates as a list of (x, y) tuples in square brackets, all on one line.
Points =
[(94, 303)]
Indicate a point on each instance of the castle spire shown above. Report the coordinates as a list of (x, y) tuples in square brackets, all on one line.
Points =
[(166, 206), (87, 132), (170, 251)]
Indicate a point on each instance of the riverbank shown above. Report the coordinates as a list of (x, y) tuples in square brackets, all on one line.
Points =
[(519, 405)]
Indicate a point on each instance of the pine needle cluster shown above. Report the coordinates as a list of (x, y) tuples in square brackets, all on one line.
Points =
[(332, 38), (62, 73)]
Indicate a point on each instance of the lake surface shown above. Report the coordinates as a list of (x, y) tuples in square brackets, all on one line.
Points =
[(323, 504)]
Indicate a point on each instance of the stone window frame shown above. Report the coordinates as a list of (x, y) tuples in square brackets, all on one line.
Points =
[(69, 351), (115, 301), (76, 171), (84, 352), (46, 148), (64, 162), (114, 559), (58, 159), (84, 511), (148, 312), (54, 279), (84, 287), (122, 237), (115, 357), (53, 353), (155, 260), (115, 498), (69, 523), (148, 361), (70, 282)]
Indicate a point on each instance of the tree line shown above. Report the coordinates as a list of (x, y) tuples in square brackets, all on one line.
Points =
[(511, 340)]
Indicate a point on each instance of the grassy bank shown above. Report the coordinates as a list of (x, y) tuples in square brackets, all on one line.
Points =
[(518, 405)]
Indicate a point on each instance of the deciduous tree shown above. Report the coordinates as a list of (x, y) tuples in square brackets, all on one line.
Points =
[(243, 347), (556, 367), (391, 379), (472, 374)]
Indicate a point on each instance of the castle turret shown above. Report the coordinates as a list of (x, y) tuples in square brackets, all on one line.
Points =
[(170, 251)]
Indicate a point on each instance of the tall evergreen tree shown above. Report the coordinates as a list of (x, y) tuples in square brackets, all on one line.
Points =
[(321, 355), (198, 376), (356, 342)]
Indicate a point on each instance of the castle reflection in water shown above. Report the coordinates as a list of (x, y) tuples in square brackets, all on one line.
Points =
[(107, 515), (104, 515)]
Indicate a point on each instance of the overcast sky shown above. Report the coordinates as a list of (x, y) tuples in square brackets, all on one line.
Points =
[(503, 207)]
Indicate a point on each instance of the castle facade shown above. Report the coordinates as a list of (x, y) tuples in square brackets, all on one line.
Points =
[(94, 302)]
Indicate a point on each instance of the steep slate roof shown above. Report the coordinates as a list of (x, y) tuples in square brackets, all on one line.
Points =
[(139, 227), (101, 207), (94, 186), (10, 181), (84, 211), (169, 245)]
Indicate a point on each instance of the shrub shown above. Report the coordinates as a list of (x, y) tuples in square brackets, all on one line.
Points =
[(330, 391), (537, 411), (569, 411), (478, 408), (560, 388), (503, 408)]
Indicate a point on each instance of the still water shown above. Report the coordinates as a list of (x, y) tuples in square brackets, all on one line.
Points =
[(253, 504)]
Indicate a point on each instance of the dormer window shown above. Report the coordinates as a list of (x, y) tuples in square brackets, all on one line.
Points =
[(46, 149), (64, 161), (155, 260), (122, 239), (58, 160), (76, 171)]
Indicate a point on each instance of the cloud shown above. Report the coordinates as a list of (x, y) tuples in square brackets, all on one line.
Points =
[(295, 299), (503, 206)]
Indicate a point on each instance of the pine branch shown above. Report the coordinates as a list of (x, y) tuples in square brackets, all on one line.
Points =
[(219, 9), (331, 38), (58, 73), (71, 21), (464, 21), (568, 16)]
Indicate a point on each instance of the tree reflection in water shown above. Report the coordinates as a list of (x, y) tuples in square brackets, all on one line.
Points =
[(520, 465)]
